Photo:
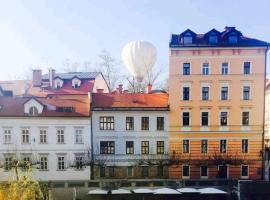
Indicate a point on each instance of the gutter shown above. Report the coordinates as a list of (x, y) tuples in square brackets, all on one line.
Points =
[(92, 143), (263, 135)]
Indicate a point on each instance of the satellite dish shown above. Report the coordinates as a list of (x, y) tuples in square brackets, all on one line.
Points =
[(139, 57)]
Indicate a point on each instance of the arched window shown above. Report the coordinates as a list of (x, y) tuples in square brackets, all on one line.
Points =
[(33, 111)]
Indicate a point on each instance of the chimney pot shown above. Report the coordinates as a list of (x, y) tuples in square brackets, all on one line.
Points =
[(120, 88), (51, 77)]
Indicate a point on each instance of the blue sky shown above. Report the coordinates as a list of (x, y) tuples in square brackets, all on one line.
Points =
[(44, 33)]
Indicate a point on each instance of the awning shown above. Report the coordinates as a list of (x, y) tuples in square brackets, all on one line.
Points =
[(166, 191), (98, 191), (211, 191), (188, 190), (120, 191), (143, 191)]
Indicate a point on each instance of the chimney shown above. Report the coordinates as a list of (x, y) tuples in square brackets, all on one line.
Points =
[(37, 78), (51, 77), (100, 90), (229, 28), (120, 88), (149, 88)]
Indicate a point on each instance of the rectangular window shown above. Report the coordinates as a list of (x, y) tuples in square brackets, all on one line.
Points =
[(213, 39), (244, 171), (185, 118), (60, 136), (205, 93), (186, 69), (160, 147), (224, 93), (111, 171), (107, 147), (8, 163), (129, 147), (25, 136), (246, 93), (187, 39), (145, 123), (129, 123), (223, 118), (185, 170), (43, 136), (145, 147), (185, 146), (79, 161), (129, 171), (61, 163), (204, 171), (106, 123), (204, 119), (78, 136), (26, 161), (7, 136), (145, 171), (225, 68), (246, 67), (186, 94), (101, 171), (204, 146), (244, 145), (205, 69), (160, 123), (43, 162), (245, 118), (223, 146)]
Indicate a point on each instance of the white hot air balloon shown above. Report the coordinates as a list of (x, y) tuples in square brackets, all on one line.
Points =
[(139, 57)]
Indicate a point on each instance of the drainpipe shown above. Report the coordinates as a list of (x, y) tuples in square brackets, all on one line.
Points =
[(263, 135), (92, 143)]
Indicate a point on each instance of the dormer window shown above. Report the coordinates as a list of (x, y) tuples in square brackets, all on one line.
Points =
[(213, 39), (33, 111), (187, 39), (233, 39), (76, 83), (58, 83)]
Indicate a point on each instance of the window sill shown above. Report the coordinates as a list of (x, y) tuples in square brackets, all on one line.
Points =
[(7, 143), (60, 143), (61, 170), (78, 143), (43, 170)]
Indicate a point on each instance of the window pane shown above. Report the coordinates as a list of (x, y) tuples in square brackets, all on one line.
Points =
[(186, 170), (225, 68), (205, 93), (129, 123), (185, 146), (204, 171), (223, 118), (204, 119), (223, 146), (185, 117), (185, 93), (160, 123), (186, 69), (204, 146), (246, 67), (145, 123), (245, 118)]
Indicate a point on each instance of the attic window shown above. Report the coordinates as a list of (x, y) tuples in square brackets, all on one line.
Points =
[(58, 85), (233, 39), (213, 39), (33, 111), (64, 109), (76, 85), (187, 39)]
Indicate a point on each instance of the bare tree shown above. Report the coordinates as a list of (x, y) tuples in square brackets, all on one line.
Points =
[(109, 67)]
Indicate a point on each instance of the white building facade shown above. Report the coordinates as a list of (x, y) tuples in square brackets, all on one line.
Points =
[(129, 139)]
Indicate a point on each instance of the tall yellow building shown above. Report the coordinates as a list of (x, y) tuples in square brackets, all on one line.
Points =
[(216, 116)]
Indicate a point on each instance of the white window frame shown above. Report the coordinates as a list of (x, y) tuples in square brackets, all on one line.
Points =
[(24, 134), (224, 84), (243, 69), (244, 177), (59, 134), (201, 111), (228, 68), (47, 161), (7, 133), (209, 68), (225, 147), (188, 146), (246, 84), (41, 133), (204, 177), (80, 130), (209, 91), (185, 177), (65, 163), (249, 119), (190, 72), (247, 146)]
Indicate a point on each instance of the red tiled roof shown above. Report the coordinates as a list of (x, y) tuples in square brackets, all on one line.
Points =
[(129, 100), (14, 106), (86, 86)]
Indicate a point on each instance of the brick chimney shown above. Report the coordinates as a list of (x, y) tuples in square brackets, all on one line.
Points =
[(37, 78), (120, 88), (149, 88), (51, 77)]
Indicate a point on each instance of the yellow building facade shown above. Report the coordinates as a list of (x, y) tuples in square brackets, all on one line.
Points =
[(216, 118)]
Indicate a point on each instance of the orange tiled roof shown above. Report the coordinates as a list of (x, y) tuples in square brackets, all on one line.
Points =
[(105, 101), (14, 106)]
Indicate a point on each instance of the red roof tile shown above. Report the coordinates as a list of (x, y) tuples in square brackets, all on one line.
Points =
[(129, 100)]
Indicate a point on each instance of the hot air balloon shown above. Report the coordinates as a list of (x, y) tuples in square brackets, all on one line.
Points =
[(139, 57)]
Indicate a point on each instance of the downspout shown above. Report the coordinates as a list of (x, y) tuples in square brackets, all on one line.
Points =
[(92, 143), (263, 135)]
